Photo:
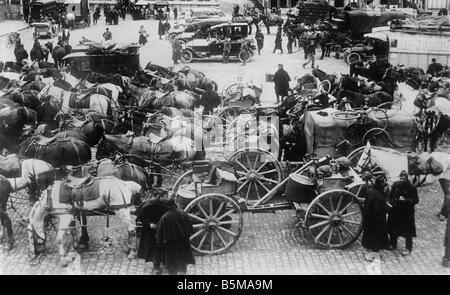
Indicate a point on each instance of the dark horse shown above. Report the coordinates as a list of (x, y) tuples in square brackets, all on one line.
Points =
[(7, 232), (57, 152)]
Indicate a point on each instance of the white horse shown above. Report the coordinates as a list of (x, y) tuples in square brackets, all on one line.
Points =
[(393, 162), (114, 194), (98, 103), (31, 168)]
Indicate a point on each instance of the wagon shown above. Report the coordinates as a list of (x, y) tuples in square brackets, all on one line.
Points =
[(337, 133), (250, 179)]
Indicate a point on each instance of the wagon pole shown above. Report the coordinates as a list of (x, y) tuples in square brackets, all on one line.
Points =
[(273, 191)]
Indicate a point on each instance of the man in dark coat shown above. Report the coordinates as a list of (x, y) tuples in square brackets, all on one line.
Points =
[(445, 215), (176, 51), (434, 68), (281, 79), (259, 40), (161, 30), (375, 236), (290, 40), (209, 99), (401, 222), (20, 54), (36, 53), (278, 41), (175, 13), (166, 28), (172, 234), (148, 215), (226, 50)]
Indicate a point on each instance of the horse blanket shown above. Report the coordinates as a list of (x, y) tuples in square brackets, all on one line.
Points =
[(87, 190)]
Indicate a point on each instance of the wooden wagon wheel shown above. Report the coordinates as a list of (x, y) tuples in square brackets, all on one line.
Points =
[(325, 86), (364, 166), (258, 171), (232, 111), (185, 178), (379, 137), (334, 219), (233, 88), (352, 57), (217, 221)]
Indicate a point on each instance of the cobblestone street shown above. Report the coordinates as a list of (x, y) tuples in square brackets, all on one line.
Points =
[(269, 244)]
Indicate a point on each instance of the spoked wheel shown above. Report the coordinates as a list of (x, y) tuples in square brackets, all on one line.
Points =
[(325, 86), (186, 178), (186, 56), (231, 112), (352, 57), (258, 171), (233, 88), (363, 164), (379, 137), (346, 115), (217, 221), (334, 219)]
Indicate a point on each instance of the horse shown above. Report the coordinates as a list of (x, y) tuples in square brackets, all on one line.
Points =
[(125, 171), (57, 152), (59, 52), (26, 98), (69, 101), (358, 100), (107, 192), (23, 177), (90, 133), (198, 78), (16, 117), (424, 169), (155, 99), (7, 231)]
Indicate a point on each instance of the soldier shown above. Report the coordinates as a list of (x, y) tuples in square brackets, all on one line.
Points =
[(259, 40), (176, 51), (401, 222), (226, 50), (278, 41), (107, 35)]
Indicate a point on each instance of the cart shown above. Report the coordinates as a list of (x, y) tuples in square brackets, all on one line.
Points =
[(249, 178), (331, 213)]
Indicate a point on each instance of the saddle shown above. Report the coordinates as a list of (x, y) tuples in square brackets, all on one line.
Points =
[(76, 182), (77, 123), (78, 190), (42, 140)]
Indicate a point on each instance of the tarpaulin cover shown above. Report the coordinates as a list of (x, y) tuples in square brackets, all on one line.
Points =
[(400, 127), (361, 22), (323, 132), (424, 22)]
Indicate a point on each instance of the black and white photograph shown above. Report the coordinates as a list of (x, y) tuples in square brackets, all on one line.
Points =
[(224, 137)]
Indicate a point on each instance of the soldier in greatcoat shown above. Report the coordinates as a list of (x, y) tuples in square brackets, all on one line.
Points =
[(401, 222)]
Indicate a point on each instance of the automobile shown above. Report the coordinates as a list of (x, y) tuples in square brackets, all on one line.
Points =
[(104, 63), (194, 14), (213, 45), (197, 29), (42, 30)]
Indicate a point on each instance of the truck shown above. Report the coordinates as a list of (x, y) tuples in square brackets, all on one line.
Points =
[(414, 48)]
